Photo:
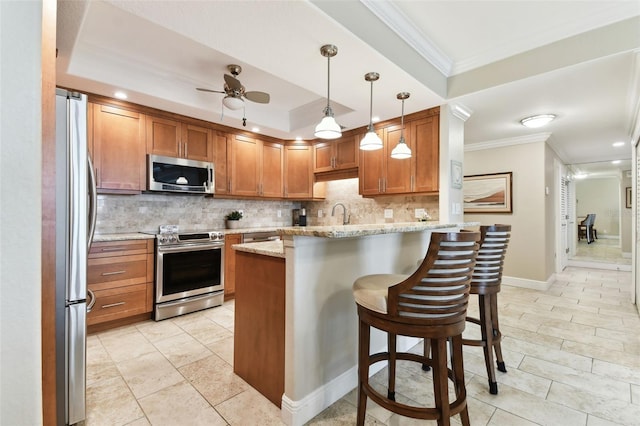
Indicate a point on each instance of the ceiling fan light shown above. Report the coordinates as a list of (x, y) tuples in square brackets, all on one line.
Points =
[(328, 128), (537, 120), (371, 141), (401, 151), (232, 103)]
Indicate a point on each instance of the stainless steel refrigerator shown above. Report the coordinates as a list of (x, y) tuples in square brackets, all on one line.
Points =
[(75, 220)]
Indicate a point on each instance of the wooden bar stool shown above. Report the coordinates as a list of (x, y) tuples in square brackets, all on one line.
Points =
[(431, 304), (487, 277)]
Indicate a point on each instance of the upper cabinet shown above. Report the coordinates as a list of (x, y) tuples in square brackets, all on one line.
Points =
[(117, 137), (298, 173), (339, 154), (221, 142), (256, 167), (178, 139), (379, 174)]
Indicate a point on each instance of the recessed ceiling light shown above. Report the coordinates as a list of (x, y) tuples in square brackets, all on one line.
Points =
[(255, 129), (537, 120), (298, 138), (120, 95), (580, 176), (375, 118), (615, 162), (618, 144)]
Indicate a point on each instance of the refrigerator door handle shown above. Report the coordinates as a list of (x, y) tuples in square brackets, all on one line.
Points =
[(92, 302), (93, 202)]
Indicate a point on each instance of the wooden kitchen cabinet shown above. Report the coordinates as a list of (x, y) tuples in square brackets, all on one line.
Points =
[(174, 138), (220, 162), (120, 275), (379, 174), (256, 167), (230, 264), (339, 154), (117, 139), (298, 173)]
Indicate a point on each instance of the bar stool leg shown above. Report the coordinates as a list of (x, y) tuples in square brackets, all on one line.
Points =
[(391, 342), (457, 366), (427, 353), (441, 380), (363, 370), (495, 327), (486, 327)]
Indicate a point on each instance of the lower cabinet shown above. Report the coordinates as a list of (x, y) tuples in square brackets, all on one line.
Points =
[(230, 264), (120, 276)]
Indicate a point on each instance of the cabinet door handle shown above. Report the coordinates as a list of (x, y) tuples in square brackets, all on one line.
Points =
[(111, 249), (229, 186), (104, 274), (185, 150), (111, 305), (379, 185)]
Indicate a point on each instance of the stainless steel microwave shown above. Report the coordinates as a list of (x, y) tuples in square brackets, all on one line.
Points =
[(170, 174)]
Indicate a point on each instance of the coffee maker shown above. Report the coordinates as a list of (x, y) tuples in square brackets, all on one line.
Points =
[(299, 217)]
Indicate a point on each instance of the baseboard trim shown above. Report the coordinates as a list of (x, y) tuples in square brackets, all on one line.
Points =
[(594, 264), (299, 412), (527, 283)]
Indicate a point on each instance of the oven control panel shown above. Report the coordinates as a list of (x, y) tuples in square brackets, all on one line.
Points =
[(170, 235)]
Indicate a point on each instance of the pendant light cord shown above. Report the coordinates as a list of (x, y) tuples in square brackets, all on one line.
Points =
[(328, 81), (371, 108), (402, 122)]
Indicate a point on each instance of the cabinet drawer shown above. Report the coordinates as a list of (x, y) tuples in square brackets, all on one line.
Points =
[(120, 271), (118, 303), (120, 248)]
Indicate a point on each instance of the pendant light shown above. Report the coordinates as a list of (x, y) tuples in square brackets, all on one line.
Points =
[(402, 150), (328, 128), (371, 140)]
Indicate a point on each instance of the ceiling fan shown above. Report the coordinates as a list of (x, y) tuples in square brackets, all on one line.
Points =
[(235, 91)]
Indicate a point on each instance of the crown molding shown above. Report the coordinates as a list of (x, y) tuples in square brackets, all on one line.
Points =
[(460, 111), (501, 143), (397, 21)]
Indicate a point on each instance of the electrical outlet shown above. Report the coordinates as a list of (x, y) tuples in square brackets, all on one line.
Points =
[(388, 213), (419, 213), (279, 213), (319, 212)]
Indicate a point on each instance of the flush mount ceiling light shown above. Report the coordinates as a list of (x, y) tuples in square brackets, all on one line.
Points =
[(402, 150), (618, 144), (371, 140), (537, 120), (328, 128), (232, 102)]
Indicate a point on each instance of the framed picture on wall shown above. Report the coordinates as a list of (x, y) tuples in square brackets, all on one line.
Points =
[(490, 193), (628, 198)]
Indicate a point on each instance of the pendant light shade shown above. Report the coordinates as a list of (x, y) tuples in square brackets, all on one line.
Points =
[(328, 128), (232, 102), (371, 140), (401, 150)]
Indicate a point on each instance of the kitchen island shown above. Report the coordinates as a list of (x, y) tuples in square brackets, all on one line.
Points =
[(320, 318)]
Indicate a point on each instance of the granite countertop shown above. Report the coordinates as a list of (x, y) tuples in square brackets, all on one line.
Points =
[(267, 248), (349, 231)]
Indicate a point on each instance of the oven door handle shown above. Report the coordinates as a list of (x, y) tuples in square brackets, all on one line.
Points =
[(189, 247)]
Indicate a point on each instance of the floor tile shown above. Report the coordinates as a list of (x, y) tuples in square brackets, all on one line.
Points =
[(182, 349), (180, 404), (248, 406), (214, 379), (111, 402), (148, 373)]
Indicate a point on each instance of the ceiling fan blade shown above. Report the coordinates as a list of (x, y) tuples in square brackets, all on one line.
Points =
[(202, 89), (232, 82), (259, 97)]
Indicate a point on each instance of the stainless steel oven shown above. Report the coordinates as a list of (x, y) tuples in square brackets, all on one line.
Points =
[(189, 272)]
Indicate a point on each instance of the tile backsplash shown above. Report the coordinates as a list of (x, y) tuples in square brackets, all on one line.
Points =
[(146, 212)]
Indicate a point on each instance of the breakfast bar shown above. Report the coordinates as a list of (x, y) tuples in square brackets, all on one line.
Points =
[(320, 319)]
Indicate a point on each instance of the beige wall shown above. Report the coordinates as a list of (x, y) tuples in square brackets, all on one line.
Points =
[(626, 216), (531, 246), (602, 197)]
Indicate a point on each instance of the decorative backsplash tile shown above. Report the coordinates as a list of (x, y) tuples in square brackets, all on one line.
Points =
[(146, 212)]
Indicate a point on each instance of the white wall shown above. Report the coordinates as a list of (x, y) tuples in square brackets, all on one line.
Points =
[(626, 215), (20, 236)]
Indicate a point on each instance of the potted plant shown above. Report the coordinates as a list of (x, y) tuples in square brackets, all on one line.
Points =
[(233, 219)]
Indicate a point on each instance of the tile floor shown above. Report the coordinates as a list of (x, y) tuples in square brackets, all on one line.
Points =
[(572, 354), (604, 250)]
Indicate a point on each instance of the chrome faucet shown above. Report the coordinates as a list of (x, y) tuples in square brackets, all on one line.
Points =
[(345, 216)]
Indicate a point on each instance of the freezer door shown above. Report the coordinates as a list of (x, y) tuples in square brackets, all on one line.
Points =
[(76, 354)]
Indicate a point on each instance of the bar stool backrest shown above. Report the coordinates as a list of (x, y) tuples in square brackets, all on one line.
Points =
[(438, 291), (487, 274)]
